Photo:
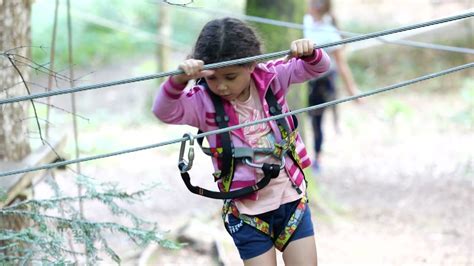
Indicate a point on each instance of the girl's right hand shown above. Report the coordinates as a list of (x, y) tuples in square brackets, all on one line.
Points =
[(193, 69)]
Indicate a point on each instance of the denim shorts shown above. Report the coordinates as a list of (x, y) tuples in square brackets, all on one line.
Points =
[(251, 242)]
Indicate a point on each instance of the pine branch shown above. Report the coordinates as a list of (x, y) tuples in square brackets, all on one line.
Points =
[(52, 202), (36, 242), (84, 231), (107, 198), (49, 230)]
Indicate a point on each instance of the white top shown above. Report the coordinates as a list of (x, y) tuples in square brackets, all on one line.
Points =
[(322, 31)]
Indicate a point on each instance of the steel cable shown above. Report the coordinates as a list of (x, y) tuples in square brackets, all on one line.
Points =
[(234, 62), (292, 25), (178, 140)]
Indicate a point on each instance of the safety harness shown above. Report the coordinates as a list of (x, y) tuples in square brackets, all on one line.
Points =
[(229, 155)]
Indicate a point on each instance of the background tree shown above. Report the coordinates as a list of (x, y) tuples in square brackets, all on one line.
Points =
[(278, 38), (14, 40), (15, 34)]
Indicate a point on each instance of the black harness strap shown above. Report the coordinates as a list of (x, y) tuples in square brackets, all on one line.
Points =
[(227, 159), (270, 171), (227, 167), (275, 109)]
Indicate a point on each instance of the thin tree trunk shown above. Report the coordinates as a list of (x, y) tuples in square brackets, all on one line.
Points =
[(164, 29), (14, 144), (14, 33)]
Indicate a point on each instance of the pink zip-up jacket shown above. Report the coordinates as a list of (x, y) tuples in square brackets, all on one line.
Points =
[(193, 106)]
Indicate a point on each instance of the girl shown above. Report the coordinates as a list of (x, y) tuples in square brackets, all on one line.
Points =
[(276, 216), (320, 25)]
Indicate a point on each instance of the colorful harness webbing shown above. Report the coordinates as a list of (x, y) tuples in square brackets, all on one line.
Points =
[(227, 153), (283, 237), (227, 161), (282, 240), (227, 156), (289, 139)]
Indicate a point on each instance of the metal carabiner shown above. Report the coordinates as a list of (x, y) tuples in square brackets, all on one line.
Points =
[(184, 165), (252, 164)]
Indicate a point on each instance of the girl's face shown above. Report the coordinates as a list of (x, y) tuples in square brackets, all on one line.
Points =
[(232, 82)]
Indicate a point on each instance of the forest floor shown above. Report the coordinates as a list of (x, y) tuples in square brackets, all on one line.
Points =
[(396, 185)]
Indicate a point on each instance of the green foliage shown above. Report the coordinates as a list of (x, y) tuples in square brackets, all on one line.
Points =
[(466, 116), (395, 109), (277, 38), (95, 44), (3, 195), (53, 220), (92, 44), (391, 63), (319, 197), (467, 92), (356, 26)]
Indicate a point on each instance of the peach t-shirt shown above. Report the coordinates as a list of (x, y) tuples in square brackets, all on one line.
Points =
[(279, 191)]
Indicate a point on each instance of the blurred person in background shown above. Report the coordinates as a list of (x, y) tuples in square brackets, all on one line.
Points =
[(321, 27)]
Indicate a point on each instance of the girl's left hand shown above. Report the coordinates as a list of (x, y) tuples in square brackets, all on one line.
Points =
[(301, 48)]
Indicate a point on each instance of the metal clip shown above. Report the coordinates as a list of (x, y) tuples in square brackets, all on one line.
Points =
[(248, 162), (184, 165)]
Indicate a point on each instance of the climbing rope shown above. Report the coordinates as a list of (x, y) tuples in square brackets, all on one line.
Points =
[(179, 140), (236, 61)]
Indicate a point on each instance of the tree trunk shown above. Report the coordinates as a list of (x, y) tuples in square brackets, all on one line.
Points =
[(14, 33), (164, 31), (277, 38), (14, 145)]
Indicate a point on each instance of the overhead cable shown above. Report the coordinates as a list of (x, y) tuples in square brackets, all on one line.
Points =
[(292, 25), (234, 62), (227, 129)]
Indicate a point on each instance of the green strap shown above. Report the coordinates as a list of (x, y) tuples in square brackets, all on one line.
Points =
[(289, 138), (283, 239)]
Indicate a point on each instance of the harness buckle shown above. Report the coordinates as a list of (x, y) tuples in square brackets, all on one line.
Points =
[(248, 162), (184, 165)]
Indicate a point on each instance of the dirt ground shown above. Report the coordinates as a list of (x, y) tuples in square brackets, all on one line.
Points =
[(395, 189)]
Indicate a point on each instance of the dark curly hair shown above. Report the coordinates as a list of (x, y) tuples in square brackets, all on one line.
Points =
[(226, 39)]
